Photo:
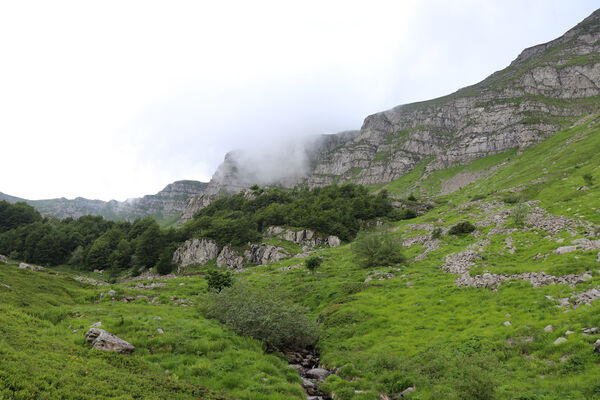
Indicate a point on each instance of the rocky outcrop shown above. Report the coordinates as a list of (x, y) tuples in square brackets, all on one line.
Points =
[(196, 251), (30, 267), (3, 259), (102, 340), (265, 254), (305, 237), (201, 251), (230, 259)]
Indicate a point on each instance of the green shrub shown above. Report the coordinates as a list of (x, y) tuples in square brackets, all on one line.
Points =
[(462, 228), (217, 280), (313, 262), (263, 315), (588, 179), (376, 248), (512, 198), (402, 214), (519, 214), (411, 197), (436, 233)]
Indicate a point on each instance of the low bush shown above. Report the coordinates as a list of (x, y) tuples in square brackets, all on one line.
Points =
[(263, 315), (313, 262), (376, 248), (519, 214), (462, 228), (436, 233)]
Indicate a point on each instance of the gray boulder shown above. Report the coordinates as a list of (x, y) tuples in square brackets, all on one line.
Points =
[(318, 373), (3, 259), (102, 340), (30, 267)]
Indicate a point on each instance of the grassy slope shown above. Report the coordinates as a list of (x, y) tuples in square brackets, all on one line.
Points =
[(416, 329), (42, 358), (382, 335)]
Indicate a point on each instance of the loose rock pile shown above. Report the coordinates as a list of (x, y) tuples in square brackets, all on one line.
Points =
[(537, 279)]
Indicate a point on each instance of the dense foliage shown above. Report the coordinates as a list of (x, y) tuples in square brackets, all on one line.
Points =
[(332, 210), (88, 240), (263, 315)]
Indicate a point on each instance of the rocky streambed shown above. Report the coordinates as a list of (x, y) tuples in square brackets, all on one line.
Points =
[(307, 364)]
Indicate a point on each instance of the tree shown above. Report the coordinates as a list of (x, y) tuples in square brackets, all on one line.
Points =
[(149, 246), (313, 262), (378, 248), (219, 280), (165, 262)]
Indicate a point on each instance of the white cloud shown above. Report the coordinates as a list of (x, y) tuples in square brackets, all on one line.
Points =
[(118, 98)]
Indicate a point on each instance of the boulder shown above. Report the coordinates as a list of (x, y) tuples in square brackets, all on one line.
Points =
[(3, 259), (196, 251), (548, 328), (565, 250), (318, 373), (30, 267), (597, 346), (102, 340), (560, 340), (230, 259), (333, 241)]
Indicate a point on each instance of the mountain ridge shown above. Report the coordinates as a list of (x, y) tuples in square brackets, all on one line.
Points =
[(164, 205), (546, 88)]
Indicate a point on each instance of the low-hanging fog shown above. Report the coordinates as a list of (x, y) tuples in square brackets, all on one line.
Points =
[(117, 99)]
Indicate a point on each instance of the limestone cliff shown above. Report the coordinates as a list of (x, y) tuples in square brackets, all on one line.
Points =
[(546, 88)]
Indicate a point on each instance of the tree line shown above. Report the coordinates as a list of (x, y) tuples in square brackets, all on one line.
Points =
[(91, 242)]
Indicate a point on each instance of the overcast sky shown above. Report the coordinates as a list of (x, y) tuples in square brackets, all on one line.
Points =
[(116, 99)]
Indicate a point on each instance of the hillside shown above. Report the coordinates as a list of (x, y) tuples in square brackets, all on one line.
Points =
[(165, 206)]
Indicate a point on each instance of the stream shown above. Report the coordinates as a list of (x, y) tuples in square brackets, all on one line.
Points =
[(307, 364)]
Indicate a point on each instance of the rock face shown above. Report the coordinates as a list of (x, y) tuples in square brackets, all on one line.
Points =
[(304, 237), (103, 340), (543, 89), (196, 251), (230, 258), (265, 254), (201, 251)]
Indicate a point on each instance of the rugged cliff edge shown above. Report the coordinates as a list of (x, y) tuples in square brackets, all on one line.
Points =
[(546, 88)]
